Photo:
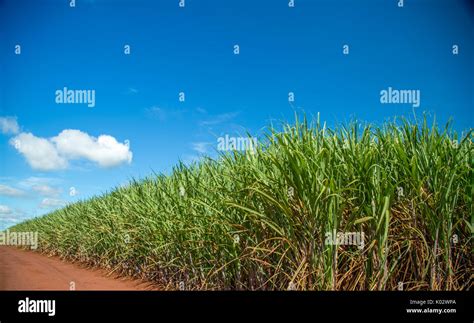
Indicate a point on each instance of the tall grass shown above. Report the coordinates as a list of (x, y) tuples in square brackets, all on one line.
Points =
[(258, 221)]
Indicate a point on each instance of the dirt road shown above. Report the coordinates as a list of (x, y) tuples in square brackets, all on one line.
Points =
[(27, 270)]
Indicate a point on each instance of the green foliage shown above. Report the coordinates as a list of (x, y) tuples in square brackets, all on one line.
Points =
[(258, 220)]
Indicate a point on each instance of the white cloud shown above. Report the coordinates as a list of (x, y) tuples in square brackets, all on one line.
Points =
[(163, 114), (45, 190), (8, 219), (40, 153), (55, 153), (10, 191), (32, 181), (201, 147), (5, 210), (156, 113), (201, 110), (218, 119), (9, 125), (104, 150), (191, 159), (48, 203), (11, 218)]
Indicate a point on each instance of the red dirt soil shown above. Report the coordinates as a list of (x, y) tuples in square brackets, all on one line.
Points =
[(27, 270)]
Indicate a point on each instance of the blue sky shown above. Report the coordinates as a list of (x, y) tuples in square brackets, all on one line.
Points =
[(191, 50)]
